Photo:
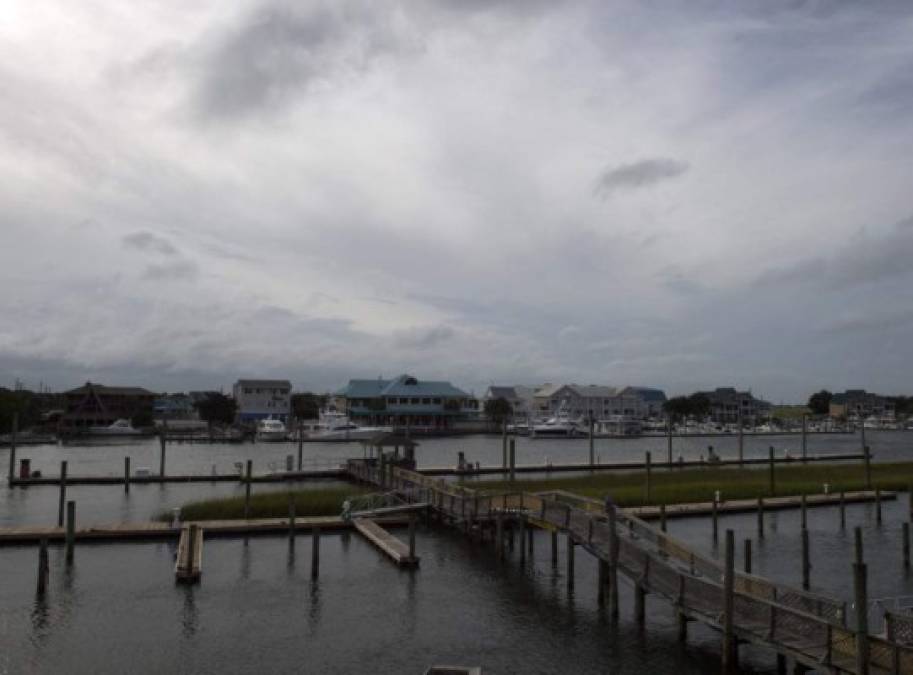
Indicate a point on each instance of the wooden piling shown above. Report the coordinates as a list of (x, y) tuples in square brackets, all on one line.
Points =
[(162, 434), (71, 530), (648, 464), (300, 445), (906, 545), (126, 475), (315, 553), (512, 456), (760, 518), (412, 536), (613, 564), (504, 444), (714, 520), (804, 437), (858, 551), (601, 581), (522, 538), (291, 516), (570, 562), (662, 517), (729, 641), (592, 444), (499, 536), (530, 536), (13, 433), (803, 511), (554, 534), (669, 439), (640, 603), (772, 481), (806, 565), (63, 493), (867, 465), (747, 556), (741, 440), (247, 490), (861, 603), (842, 511), (43, 567), (878, 506)]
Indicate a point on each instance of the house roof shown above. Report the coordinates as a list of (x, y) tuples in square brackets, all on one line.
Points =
[(264, 383), (507, 393), (110, 391), (646, 393), (593, 391), (404, 385)]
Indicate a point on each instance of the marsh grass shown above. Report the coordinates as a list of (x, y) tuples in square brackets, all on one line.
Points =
[(313, 502), (682, 486)]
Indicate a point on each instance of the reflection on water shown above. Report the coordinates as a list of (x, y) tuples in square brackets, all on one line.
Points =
[(189, 615)]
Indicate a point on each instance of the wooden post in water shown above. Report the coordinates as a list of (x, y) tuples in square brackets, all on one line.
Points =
[(315, 553), (291, 516), (714, 521), (878, 506), (867, 463), (741, 440), (601, 581), (499, 536), (530, 537), (63, 493), (861, 601), (162, 453), (513, 459), (592, 444), (570, 562), (640, 601), (804, 437), (71, 530), (504, 444), (747, 556), (669, 439), (43, 567), (14, 430), (412, 537), (300, 445), (772, 481), (842, 511), (647, 464), (804, 513), (522, 538), (857, 545), (662, 517), (247, 491), (126, 475), (729, 641), (554, 548), (760, 517), (806, 565), (906, 545), (613, 565)]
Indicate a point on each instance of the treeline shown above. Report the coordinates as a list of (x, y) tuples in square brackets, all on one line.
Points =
[(680, 407), (27, 404)]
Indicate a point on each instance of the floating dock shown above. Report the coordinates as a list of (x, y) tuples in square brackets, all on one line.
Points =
[(392, 547), (188, 566)]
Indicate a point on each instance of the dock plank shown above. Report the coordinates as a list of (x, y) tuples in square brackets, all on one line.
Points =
[(396, 550)]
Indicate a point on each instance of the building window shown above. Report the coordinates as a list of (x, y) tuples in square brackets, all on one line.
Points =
[(436, 401), (415, 401), (426, 401)]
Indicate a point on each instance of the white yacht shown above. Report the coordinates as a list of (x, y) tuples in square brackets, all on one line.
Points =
[(271, 430), (336, 426), (560, 426), (119, 427)]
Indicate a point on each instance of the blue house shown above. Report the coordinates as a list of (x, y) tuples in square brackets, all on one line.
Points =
[(406, 402)]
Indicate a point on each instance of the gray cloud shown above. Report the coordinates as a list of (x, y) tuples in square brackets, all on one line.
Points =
[(423, 338), (637, 175), (150, 243), (181, 270)]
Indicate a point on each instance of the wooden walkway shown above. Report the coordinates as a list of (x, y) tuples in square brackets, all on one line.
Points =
[(188, 565), (809, 628), (392, 547)]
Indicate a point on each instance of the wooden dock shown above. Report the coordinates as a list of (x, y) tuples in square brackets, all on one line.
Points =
[(279, 477), (392, 547), (188, 565)]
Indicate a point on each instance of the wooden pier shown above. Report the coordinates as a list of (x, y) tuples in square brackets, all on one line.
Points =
[(188, 566), (809, 628), (397, 551)]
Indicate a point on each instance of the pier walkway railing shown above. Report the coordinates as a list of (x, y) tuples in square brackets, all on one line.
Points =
[(808, 627)]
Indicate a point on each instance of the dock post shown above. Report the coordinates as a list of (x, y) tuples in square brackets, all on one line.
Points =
[(741, 440), (669, 439), (878, 506), (729, 643), (412, 536), (522, 537), (504, 444), (291, 516), (860, 596), (126, 475), (191, 540), (867, 463), (499, 536), (14, 430), (63, 493), (640, 603), (162, 455), (910, 501), (601, 581), (570, 561), (747, 556), (647, 465), (43, 568), (842, 511), (760, 518), (554, 548), (803, 511), (781, 664), (662, 517), (592, 446), (247, 491), (71, 530), (613, 565), (806, 565), (857, 545), (804, 437), (513, 459), (906, 545), (315, 553), (300, 445), (715, 520), (772, 481)]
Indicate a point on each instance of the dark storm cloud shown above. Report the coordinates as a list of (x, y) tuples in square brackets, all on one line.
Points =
[(283, 48), (149, 243), (638, 174)]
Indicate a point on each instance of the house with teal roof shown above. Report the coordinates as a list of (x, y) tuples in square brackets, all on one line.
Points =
[(407, 401)]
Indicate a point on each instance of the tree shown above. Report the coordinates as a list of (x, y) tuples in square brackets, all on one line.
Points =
[(498, 410), (820, 402), (700, 404), (307, 406), (217, 409), (695, 405), (21, 402), (142, 418)]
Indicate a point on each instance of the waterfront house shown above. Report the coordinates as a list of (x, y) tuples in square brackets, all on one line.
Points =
[(520, 398), (728, 406), (262, 399), (860, 404), (175, 407), (96, 405), (407, 402), (641, 402)]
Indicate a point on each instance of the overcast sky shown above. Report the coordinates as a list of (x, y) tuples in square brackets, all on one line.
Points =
[(682, 195)]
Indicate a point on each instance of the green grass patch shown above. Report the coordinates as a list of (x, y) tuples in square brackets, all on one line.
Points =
[(682, 486), (312, 502)]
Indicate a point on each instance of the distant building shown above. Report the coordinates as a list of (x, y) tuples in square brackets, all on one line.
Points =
[(174, 407), (262, 399), (96, 405), (728, 406), (520, 398), (642, 402), (407, 401), (858, 403), (597, 401)]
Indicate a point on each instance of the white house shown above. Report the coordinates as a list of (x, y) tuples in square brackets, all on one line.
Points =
[(260, 399)]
